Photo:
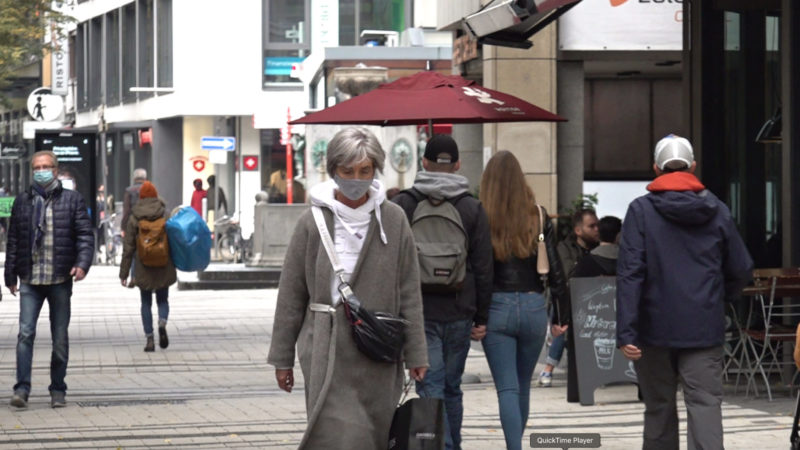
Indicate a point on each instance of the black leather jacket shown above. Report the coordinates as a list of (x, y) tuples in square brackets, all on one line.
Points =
[(519, 275), (73, 235)]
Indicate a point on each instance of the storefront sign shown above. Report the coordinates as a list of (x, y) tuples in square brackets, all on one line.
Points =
[(11, 151), (281, 65), (43, 106), (198, 163), (623, 25), (250, 163), (59, 66), (76, 161), (464, 49)]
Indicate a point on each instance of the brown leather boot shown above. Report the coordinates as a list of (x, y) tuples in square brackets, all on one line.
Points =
[(151, 344)]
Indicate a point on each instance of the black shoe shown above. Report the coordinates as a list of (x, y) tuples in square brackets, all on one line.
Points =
[(150, 346), (19, 400), (57, 399), (163, 340)]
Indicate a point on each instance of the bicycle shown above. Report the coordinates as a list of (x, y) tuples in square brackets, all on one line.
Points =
[(110, 252), (230, 244)]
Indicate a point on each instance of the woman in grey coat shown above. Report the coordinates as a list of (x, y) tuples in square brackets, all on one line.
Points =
[(350, 399)]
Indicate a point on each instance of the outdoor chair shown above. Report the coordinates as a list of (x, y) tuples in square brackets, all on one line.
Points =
[(769, 327)]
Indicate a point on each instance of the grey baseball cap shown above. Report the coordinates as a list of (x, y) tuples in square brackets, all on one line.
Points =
[(673, 153)]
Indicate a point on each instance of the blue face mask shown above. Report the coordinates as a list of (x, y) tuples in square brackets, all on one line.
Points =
[(43, 177)]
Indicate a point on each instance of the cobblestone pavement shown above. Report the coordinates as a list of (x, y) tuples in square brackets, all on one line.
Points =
[(213, 389)]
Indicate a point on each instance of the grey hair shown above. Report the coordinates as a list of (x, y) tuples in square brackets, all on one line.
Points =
[(45, 153), (352, 145), (139, 174)]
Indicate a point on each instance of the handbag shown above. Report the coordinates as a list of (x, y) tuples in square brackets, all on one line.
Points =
[(378, 335), (542, 263), (418, 424)]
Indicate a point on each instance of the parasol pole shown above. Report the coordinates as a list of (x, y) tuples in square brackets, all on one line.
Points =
[(430, 128)]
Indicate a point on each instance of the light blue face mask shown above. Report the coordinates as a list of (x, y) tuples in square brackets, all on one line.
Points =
[(43, 177), (354, 188)]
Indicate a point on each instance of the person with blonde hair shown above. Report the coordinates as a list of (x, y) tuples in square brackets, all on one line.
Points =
[(517, 326)]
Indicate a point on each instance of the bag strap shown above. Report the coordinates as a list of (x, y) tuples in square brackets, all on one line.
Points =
[(541, 223), (344, 288), (542, 259), (327, 242)]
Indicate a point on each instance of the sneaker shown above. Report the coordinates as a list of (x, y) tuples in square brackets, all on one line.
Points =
[(19, 400), (545, 379), (57, 399), (150, 346), (163, 340)]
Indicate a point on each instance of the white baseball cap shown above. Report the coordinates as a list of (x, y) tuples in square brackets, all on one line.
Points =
[(673, 153)]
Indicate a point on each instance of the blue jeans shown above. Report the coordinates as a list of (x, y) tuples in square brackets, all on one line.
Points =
[(147, 307), (448, 345), (514, 338), (556, 350), (31, 300)]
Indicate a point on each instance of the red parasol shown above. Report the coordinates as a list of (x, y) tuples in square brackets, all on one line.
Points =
[(430, 97)]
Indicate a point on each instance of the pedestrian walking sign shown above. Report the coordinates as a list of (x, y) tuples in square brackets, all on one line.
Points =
[(226, 143)]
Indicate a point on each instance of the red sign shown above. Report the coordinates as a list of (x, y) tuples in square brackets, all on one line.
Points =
[(250, 163), (198, 163)]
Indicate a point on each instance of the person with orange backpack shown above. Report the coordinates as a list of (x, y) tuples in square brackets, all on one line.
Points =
[(146, 247)]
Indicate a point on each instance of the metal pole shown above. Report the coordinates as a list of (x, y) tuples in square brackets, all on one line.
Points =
[(289, 159), (240, 159), (215, 205), (103, 162)]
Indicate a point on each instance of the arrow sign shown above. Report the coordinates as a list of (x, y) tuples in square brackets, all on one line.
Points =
[(226, 143)]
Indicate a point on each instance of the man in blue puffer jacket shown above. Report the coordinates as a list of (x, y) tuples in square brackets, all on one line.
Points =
[(680, 259), (50, 242)]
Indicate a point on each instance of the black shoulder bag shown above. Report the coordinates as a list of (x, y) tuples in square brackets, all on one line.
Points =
[(379, 335)]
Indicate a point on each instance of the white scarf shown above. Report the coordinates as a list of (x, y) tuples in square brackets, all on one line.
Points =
[(323, 195)]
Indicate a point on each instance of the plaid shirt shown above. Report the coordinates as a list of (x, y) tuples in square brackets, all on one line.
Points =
[(43, 257)]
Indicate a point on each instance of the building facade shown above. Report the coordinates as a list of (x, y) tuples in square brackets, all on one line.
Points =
[(741, 106)]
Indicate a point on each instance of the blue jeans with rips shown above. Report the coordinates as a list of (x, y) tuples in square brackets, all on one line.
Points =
[(147, 307), (31, 300), (514, 338), (448, 346), (556, 349)]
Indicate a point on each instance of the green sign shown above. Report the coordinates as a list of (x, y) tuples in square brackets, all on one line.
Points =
[(5, 206)]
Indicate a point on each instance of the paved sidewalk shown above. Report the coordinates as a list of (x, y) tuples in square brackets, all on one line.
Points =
[(212, 387)]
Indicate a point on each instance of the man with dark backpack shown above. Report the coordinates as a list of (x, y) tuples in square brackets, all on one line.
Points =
[(454, 246)]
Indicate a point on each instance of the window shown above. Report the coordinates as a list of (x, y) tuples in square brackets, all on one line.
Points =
[(356, 16), (146, 48), (164, 42), (82, 100), (94, 61), (128, 51), (112, 58), (287, 39)]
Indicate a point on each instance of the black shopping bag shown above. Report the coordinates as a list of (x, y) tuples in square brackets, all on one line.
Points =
[(418, 424)]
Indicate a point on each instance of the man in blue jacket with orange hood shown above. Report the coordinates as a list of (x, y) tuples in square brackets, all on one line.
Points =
[(681, 258)]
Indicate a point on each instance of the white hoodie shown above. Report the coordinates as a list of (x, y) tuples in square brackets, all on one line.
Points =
[(349, 225)]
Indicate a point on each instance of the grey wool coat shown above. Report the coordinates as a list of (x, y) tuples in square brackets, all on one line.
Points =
[(350, 399)]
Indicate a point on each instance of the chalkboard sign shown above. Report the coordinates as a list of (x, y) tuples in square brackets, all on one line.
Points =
[(594, 322)]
